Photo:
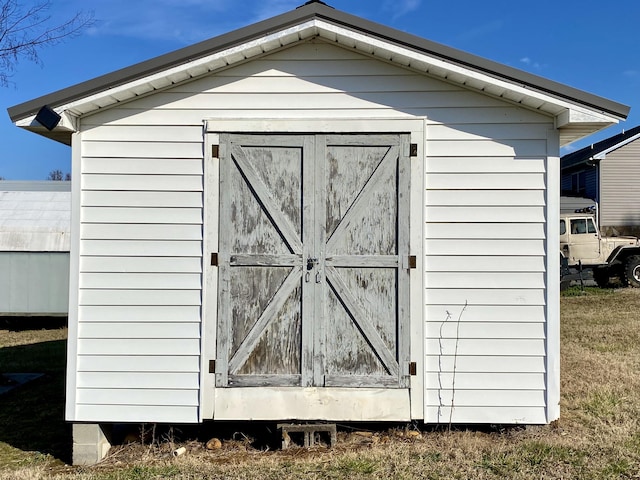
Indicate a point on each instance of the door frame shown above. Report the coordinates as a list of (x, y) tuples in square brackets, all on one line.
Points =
[(319, 403)]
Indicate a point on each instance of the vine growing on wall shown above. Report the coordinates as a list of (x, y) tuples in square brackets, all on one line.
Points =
[(441, 402)]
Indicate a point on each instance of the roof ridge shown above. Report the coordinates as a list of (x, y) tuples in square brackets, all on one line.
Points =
[(314, 1)]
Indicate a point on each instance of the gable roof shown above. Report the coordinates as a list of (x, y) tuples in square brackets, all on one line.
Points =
[(599, 150), (577, 113)]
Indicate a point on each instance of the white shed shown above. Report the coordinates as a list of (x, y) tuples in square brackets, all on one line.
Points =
[(315, 217), (35, 220)]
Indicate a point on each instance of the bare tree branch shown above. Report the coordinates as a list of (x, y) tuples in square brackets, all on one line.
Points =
[(25, 30), (58, 176)]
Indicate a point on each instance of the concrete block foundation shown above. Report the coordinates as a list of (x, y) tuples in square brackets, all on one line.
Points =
[(91, 443)]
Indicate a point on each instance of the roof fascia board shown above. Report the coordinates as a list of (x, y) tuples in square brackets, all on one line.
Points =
[(330, 15), (576, 115)]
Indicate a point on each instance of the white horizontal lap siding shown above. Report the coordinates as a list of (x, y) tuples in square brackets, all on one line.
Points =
[(138, 336), (485, 243)]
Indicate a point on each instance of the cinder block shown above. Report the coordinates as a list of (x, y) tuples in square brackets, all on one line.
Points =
[(310, 431), (87, 433), (90, 443)]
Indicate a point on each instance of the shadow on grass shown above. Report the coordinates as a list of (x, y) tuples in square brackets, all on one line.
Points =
[(32, 415)]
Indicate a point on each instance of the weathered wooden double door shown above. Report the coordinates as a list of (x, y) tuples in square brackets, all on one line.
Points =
[(313, 260)]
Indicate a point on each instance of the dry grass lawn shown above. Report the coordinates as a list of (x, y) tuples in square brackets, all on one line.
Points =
[(597, 437)]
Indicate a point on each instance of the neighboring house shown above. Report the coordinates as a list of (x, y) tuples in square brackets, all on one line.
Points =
[(35, 218), (609, 172), (315, 217)]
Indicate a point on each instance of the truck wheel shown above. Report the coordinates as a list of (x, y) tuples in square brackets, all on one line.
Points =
[(601, 277), (632, 271)]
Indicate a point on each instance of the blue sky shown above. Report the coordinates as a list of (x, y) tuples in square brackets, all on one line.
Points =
[(587, 44)]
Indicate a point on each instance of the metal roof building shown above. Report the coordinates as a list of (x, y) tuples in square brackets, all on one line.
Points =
[(35, 219)]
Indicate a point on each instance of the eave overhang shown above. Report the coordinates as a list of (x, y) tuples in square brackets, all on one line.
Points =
[(576, 113)]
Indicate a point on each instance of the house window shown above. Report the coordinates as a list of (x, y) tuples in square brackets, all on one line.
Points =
[(579, 183)]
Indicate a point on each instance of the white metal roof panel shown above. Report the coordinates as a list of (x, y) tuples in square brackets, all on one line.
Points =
[(35, 221)]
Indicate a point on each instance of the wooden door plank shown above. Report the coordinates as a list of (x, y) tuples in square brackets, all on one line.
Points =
[(280, 222), (270, 380), (258, 260), (359, 203), (251, 340), (313, 236), (356, 312), (369, 381), (403, 279), (372, 261), (223, 336)]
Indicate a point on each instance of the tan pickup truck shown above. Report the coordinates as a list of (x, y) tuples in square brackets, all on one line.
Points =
[(581, 245)]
